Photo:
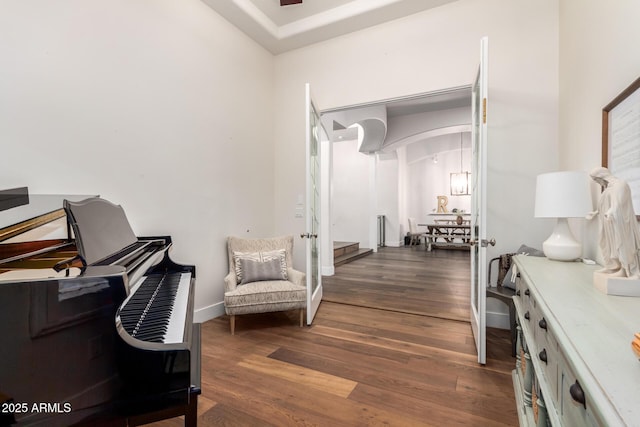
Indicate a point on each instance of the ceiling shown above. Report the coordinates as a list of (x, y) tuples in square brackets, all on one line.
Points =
[(282, 28)]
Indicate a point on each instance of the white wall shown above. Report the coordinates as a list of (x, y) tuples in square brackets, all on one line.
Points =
[(427, 180), (351, 197), (423, 53), (388, 198), (157, 105), (598, 60)]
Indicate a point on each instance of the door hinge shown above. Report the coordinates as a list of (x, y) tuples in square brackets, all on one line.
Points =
[(484, 111)]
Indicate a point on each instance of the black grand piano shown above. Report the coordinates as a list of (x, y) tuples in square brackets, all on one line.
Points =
[(96, 324)]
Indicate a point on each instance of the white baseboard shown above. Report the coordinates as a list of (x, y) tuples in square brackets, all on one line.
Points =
[(207, 313), (498, 320), (328, 270)]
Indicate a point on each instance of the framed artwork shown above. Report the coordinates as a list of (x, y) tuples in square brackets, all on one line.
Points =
[(621, 139)]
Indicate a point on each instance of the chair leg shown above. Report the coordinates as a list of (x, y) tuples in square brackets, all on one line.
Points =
[(301, 317), (232, 324)]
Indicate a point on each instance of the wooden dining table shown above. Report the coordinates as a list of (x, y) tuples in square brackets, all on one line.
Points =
[(447, 234)]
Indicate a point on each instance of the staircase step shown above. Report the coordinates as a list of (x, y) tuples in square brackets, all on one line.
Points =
[(344, 248), (351, 256)]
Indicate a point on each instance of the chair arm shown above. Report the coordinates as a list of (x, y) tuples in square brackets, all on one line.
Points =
[(297, 277), (230, 282)]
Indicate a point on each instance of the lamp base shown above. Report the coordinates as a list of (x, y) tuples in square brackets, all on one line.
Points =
[(561, 245)]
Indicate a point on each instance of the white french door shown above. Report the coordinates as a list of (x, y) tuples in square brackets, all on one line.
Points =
[(479, 203), (315, 135)]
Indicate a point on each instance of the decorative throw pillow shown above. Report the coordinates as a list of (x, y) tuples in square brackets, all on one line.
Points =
[(258, 271), (508, 281), (279, 254)]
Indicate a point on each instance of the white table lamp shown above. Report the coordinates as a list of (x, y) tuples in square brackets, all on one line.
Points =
[(562, 195)]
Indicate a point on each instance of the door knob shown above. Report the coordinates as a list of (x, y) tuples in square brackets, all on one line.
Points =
[(484, 242)]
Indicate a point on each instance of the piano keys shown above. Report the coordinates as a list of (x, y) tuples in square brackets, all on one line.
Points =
[(142, 316), (96, 324)]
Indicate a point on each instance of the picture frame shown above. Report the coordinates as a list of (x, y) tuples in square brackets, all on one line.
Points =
[(621, 139)]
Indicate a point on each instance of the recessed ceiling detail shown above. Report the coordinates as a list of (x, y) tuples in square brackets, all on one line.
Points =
[(389, 125), (282, 28)]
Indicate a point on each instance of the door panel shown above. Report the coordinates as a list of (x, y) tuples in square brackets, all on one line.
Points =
[(479, 203), (315, 135)]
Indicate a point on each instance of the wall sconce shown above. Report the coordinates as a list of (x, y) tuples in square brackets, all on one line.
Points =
[(460, 182)]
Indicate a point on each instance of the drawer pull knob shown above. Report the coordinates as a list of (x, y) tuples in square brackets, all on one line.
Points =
[(518, 293), (577, 394), (543, 324), (527, 292), (526, 315), (543, 355), (518, 275)]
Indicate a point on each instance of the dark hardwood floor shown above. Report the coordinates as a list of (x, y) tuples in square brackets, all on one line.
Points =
[(410, 280), (359, 366)]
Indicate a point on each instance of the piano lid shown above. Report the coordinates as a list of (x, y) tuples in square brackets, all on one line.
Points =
[(38, 210), (13, 197), (101, 228)]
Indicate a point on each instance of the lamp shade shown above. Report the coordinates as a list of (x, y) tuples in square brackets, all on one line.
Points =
[(563, 195)]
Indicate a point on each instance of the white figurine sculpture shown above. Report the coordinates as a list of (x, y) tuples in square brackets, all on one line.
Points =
[(619, 233)]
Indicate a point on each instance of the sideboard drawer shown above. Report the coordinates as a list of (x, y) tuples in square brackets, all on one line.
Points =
[(547, 353), (574, 400), (576, 345), (523, 295), (521, 290)]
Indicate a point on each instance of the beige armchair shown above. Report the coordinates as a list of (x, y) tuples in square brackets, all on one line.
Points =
[(261, 278)]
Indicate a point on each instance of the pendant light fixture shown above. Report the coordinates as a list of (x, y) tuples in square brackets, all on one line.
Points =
[(459, 181)]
